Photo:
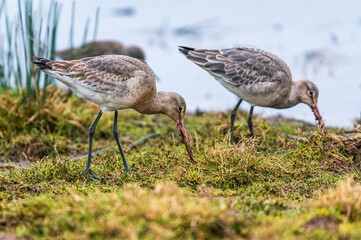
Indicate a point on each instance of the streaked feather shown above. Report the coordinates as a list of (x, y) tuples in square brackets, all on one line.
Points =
[(103, 78), (240, 66)]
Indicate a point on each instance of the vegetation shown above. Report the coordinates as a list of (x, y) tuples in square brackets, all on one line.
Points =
[(290, 182), (27, 34), (272, 185)]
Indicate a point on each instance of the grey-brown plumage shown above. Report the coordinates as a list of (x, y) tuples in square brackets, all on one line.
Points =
[(116, 82), (112, 81), (97, 48), (256, 76)]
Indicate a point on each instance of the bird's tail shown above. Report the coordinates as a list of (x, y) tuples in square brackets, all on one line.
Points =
[(198, 56), (41, 63), (185, 50)]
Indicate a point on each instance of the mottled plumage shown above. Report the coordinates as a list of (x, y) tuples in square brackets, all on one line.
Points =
[(256, 76), (116, 82), (112, 81)]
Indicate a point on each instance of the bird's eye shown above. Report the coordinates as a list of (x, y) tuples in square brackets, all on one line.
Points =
[(179, 108), (310, 92)]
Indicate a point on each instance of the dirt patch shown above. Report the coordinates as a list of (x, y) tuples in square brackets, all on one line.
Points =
[(8, 237), (349, 145), (321, 222), (17, 190), (7, 164)]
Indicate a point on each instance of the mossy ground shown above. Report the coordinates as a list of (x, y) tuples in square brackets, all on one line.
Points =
[(268, 187)]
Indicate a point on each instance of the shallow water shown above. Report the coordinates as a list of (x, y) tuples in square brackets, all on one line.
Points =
[(319, 40)]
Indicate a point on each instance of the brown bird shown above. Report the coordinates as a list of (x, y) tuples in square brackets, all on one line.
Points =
[(116, 82), (102, 48), (256, 76)]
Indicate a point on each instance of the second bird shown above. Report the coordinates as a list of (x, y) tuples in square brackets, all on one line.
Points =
[(256, 76)]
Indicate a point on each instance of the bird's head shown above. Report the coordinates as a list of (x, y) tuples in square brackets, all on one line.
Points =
[(308, 93), (175, 108)]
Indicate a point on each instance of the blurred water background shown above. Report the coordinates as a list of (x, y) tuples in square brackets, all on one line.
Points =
[(319, 40)]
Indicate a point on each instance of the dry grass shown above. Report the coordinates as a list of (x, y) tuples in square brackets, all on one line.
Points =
[(166, 212), (345, 200)]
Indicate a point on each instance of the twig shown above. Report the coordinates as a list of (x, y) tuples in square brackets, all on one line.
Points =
[(301, 139), (279, 118), (350, 135), (142, 140), (279, 165), (144, 124), (93, 154)]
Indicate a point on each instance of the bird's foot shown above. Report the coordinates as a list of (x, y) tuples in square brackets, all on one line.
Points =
[(90, 174), (127, 169), (95, 177), (234, 140), (128, 172)]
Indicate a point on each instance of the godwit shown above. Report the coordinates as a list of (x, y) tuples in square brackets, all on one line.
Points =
[(100, 48), (116, 82), (256, 76)]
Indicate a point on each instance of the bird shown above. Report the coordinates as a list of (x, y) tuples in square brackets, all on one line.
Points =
[(116, 82), (96, 48), (256, 76)]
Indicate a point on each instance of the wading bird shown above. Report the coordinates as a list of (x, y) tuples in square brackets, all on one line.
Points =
[(102, 48), (116, 82), (256, 76)]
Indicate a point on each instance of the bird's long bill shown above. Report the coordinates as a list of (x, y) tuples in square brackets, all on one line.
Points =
[(319, 118), (182, 131)]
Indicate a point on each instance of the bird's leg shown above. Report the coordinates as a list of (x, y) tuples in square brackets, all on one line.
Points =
[(116, 136), (233, 115), (249, 120), (91, 134)]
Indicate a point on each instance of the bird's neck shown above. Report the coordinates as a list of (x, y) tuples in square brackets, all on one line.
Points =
[(293, 98), (152, 105), (295, 93)]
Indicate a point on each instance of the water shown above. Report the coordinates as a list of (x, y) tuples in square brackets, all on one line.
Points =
[(319, 40)]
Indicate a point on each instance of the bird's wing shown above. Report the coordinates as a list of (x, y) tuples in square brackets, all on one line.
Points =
[(101, 73), (240, 66)]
